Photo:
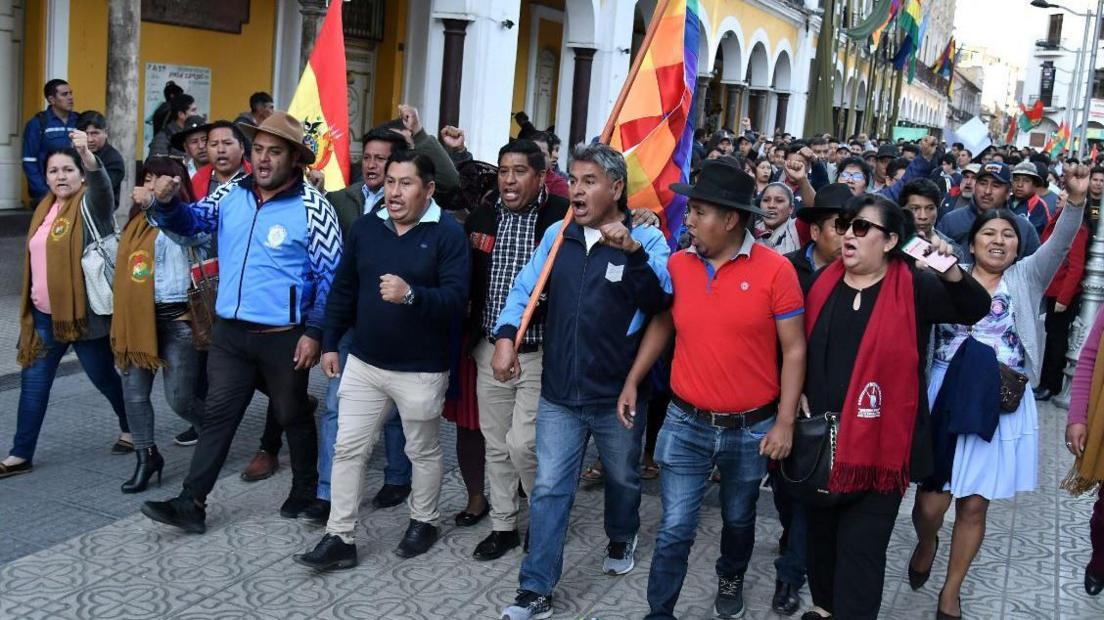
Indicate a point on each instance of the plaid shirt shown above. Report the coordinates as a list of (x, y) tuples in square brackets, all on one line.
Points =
[(515, 241)]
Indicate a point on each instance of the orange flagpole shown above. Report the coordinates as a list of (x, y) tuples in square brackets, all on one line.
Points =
[(607, 133)]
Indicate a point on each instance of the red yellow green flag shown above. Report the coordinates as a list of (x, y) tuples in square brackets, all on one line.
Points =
[(321, 103)]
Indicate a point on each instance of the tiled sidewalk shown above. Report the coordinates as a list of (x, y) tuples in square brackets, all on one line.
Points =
[(114, 563)]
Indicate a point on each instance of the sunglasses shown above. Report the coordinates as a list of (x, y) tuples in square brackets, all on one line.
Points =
[(859, 225), (851, 176)]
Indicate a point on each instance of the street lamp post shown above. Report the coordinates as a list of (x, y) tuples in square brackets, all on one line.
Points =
[(1092, 296), (1089, 20), (1095, 45)]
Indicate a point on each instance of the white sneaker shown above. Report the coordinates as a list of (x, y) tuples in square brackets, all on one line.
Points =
[(620, 557)]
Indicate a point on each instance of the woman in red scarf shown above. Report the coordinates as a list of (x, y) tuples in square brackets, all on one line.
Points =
[(869, 318)]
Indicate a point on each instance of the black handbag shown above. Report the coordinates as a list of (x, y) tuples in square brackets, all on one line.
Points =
[(1012, 387), (806, 470)]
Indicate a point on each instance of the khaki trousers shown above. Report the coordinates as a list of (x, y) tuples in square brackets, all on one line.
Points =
[(365, 397), (508, 419)]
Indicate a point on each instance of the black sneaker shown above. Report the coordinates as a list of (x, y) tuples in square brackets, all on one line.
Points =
[(188, 438), (529, 606), (496, 545), (331, 553), (419, 537), (181, 512), (391, 495), (318, 513), (730, 597), (295, 505)]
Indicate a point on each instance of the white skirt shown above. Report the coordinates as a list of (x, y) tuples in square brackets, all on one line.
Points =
[(1000, 468)]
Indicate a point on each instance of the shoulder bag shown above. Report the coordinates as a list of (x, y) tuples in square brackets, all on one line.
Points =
[(98, 264), (806, 470), (201, 299)]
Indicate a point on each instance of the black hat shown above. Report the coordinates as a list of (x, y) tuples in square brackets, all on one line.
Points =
[(829, 199), (888, 150), (722, 183), (192, 124)]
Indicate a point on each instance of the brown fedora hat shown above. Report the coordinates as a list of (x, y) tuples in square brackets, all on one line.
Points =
[(282, 125)]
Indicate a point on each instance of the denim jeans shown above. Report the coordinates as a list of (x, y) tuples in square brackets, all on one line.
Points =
[(790, 566), (398, 469), (561, 445), (36, 380), (686, 451), (179, 375)]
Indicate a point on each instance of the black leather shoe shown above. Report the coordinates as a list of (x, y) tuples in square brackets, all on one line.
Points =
[(331, 553), (786, 599), (496, 545), (812, 615), (1093, 586), (150, 462), (181, 512), (467, 519), (318, 513), (391, 495), (916, 578), (419, 537), (295, 505)]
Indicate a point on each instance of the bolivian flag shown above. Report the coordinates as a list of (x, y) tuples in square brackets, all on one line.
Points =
[(653, 129), (320, 102)]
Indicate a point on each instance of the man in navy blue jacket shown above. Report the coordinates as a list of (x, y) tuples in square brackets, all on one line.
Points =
[(402, 286), (47, 131), (279, 245), (608, 279)]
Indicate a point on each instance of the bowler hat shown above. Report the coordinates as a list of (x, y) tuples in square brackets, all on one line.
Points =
[(721, 182), (192, 124), (888, 150), (282, 125), (829, 199)]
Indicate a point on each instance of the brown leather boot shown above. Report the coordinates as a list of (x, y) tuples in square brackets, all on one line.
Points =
[(263, 465)]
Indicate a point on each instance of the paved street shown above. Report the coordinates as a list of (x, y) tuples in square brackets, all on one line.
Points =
[(72, 546)]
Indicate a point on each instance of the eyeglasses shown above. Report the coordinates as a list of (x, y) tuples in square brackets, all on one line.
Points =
[(859, 225), (851, 176)]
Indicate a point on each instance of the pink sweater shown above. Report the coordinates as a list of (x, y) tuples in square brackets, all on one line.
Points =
[(36, 246), (1082, 375)]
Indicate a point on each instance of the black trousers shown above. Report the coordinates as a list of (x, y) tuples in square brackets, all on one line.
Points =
[(847, 554), (1057, 343), (236, 358)]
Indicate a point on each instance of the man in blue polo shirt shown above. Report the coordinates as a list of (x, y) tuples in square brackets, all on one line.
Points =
[(48, 130)]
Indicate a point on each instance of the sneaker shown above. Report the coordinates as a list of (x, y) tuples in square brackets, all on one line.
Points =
[(317, 513), (620, 557), (182, 512), (331, 553), (188, 438), (529, 606), (730, 597)]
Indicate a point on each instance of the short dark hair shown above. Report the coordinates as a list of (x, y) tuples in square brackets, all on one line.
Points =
[(995, 214), (894, 219), (967, 151), (91, 118), (895, 166), (925, 188), (947, 159), (862, 165), (259, 99), (69, 152), (553, 140), (958, 145), (50, 89), (427, 172), (528, 148), (233, 127), (171, 90), (910, 148), (383, 134), (180, 104), (540, 136), (1096, 170), (817, 141)]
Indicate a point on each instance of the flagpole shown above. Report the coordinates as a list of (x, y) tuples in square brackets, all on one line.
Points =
[(607, 133)]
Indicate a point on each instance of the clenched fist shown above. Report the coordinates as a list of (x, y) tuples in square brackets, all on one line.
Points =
[(617, 236), (165, 187), (393, 288)]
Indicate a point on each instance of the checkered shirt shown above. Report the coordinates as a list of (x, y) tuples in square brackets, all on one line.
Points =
[(513, 246)]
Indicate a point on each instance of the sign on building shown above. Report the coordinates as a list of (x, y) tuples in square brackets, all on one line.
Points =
[(196, 81)]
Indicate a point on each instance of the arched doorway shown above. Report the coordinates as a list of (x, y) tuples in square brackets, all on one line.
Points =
[(544, 88), (780, 84), (758, 79)]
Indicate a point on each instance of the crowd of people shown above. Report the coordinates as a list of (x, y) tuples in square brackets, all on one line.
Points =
[(842, 319)]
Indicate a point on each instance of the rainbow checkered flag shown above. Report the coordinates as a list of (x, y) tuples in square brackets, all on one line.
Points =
[(653, 127)]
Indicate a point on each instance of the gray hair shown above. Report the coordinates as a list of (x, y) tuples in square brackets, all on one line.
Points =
[(609, 160)]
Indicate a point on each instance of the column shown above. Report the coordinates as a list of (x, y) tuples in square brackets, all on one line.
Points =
[(314, 12), (11, 122), (452, 71), (735, 105), (699, 101), (124, 26), (580, 94), (488, 83), (782, 112)]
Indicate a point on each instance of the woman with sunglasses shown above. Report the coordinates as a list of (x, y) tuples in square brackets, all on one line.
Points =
[(868, 319), (983, 469)]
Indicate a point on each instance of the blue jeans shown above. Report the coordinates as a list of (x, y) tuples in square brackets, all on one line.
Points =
[(686, 451), (398, 469), (36, 380), (561, 445), (790, 566)]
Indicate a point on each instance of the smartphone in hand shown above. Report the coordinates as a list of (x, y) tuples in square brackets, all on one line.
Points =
[(920, 249)]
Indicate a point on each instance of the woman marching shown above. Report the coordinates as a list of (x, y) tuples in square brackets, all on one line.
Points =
[(151, 329), (984, 451)]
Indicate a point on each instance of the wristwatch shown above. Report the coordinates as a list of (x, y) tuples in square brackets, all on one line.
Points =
[(408, 299)]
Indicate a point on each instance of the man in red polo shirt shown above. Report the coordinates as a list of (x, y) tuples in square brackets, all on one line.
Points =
[(734, 303)]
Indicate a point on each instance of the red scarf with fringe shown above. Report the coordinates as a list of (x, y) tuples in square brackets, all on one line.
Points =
[(879, 412)]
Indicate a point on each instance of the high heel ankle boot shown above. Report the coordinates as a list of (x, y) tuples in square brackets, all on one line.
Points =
[(150, 462)]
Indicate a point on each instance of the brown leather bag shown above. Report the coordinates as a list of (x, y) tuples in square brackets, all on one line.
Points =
[(1012, 387), (201, 300)]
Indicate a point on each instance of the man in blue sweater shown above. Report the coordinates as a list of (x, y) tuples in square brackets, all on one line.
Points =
[(608, 279), (47, 131), (401, 286), (991, 190), (279, 245)]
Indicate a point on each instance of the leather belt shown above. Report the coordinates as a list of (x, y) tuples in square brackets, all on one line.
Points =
[(728, 420)]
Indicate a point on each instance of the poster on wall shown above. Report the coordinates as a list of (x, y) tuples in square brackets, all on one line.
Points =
[(196, 81)]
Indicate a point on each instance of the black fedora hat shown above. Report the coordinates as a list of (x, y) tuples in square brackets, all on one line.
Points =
[(721, 182), (192, 124), (829, 199)]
